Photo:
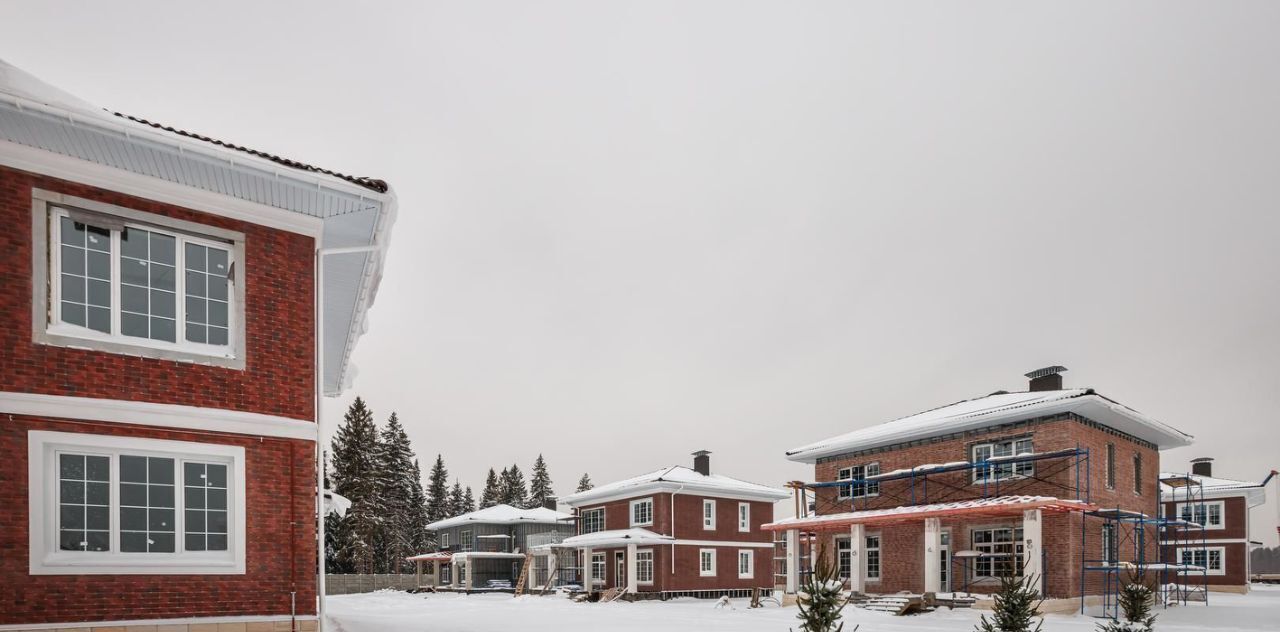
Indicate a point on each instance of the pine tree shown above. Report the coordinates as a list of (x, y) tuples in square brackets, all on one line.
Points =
[(468, 501), (492, 493), (540, 484), (584, 483), (438, 506), (1016, 606), (419, 537), (820, 601), (457, 502), (512, 486), (396, 475), (355, 476), (1135, 600)]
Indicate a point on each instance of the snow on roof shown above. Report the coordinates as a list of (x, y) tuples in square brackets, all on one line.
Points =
[(1208, 487), (999, 505), (503, 514), (335, 503), (677, 477), (618, 537), (995, 408), (427, 557)]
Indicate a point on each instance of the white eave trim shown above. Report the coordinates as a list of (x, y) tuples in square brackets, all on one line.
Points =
[(662, 487), (73, 169), (158, 415)]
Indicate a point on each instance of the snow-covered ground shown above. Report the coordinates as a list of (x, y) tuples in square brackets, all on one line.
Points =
[(389, 611)]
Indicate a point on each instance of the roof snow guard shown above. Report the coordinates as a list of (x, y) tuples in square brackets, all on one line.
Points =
[(999, 506), (995, 409), (46, 130)]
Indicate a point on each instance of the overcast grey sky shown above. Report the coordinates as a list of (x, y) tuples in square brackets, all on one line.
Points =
[(630, 231)]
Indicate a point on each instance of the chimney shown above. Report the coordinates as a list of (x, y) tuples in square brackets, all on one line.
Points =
[(550, 502), (702, 462), (1202, 466), (1046, 379)]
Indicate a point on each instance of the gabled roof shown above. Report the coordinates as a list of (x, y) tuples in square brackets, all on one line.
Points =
[(677, 478), (505, 515), (1174, 489), (993, 409), (45, 129)]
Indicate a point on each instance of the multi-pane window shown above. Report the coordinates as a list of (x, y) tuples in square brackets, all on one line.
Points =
[(844, 557), (706, 562), (465, 541), (84, 502), (873, 557), (444, 540), (998, 471), (1110, 548), (1137, 473), (708, 514), (597, 567), (857, 473), (1001, 552), (1207, 514), (205, 490), (746, 563), (593, 520), (140, 282), (147, 505), (744, 517), (1209, 559), (644, 567), (642, 512)]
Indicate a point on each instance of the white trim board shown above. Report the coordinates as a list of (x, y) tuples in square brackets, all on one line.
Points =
[(157, 415), (724, 543), (180, 621)]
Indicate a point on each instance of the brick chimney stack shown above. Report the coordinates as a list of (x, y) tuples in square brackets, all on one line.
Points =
[(702, 462), (1046, 379)]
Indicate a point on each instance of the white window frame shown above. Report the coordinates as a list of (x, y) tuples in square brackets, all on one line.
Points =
[(598, 563), (744, 517), (642, 563), (632, 512), (466, 541), (444, 540), (708, 514), (844, 556), (703, 570), (45, 558), (1017, 549), (586, 523), (872, 544), (1222, 558), (867, 490), (750, 557), (1002, 471), (1188, 508), (47, 210)]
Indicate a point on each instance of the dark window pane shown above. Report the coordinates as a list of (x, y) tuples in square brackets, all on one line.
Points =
[(98, 265), (98, 468), (195, 521), (217, 262), (160, 471), (134, 299), (97, 494), (196, 310), (133, 243), (73, 288), (218, 287), (217, 336), (162, 248), (217, 475), (195, 542), (72, 260), (71, 540), (134, 271), (217, 522), (97, 518), (195, 497), (163, 277), (217, 313), (71, 466), (164, 329), (195, 284), (195, 257), (99, 540), (133, 519), (162, 542), (133, 325), (160, 519), (100, 319), (133, 469), (72, 517), (133, 495), (161, 495), (72, 233), (217, 542), (99, 293), (73, 314), (196, 333), (133, 542), (217, 498), (98, 239), (71, 492), (193, 474), (163, 304)]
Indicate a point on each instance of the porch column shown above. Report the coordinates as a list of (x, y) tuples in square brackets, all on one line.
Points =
[(553, 557), (1032, 541), (453, 573), (471, 577), (793, 561), (932, 555), (858, 558), (588, 578), (631, 568), (417, 573)]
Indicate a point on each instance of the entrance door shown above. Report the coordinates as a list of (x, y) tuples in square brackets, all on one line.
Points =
[(619, 569), (945, 567)]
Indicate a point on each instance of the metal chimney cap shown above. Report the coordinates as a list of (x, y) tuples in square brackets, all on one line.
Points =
[(1049, 370), (1203, 459), (701, 453)]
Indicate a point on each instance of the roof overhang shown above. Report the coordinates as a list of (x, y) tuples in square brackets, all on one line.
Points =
[(620, 537), (591, 497), (985, 508)]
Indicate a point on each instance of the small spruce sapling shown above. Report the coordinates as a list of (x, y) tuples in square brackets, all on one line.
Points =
[(1136, 600), (821, 599), (1016, 608)]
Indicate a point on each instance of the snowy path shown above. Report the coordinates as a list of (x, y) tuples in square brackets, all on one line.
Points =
[(401, 612)]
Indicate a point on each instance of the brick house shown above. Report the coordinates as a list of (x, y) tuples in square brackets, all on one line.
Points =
[(1221, 506), (676, 531), (954, 497), (171, 320)]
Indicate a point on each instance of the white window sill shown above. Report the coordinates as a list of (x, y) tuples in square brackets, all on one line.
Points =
[(76, 563), (76, 337)]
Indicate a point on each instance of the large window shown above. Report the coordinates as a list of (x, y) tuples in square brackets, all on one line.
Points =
[(1110, 548), (999, 471), (114, 279), (106, 504), (708, 514), (644, 566), (857, 473), (1208, 513), (1001, 552), (465, 541), (593, 520), (707, 562), (642, 512), (1211, 559), (844, 557), (746, 563), (873, 558)]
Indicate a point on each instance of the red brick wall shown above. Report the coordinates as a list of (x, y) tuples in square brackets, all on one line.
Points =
[(278, 378), (276, 551), (1235, 518), (687, 565)]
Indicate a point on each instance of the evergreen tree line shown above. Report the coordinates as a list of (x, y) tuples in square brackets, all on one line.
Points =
[(1265, 560), (377, 470)]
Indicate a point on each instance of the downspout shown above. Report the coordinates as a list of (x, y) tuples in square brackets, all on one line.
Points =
[(293, 540), (673, 528)]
